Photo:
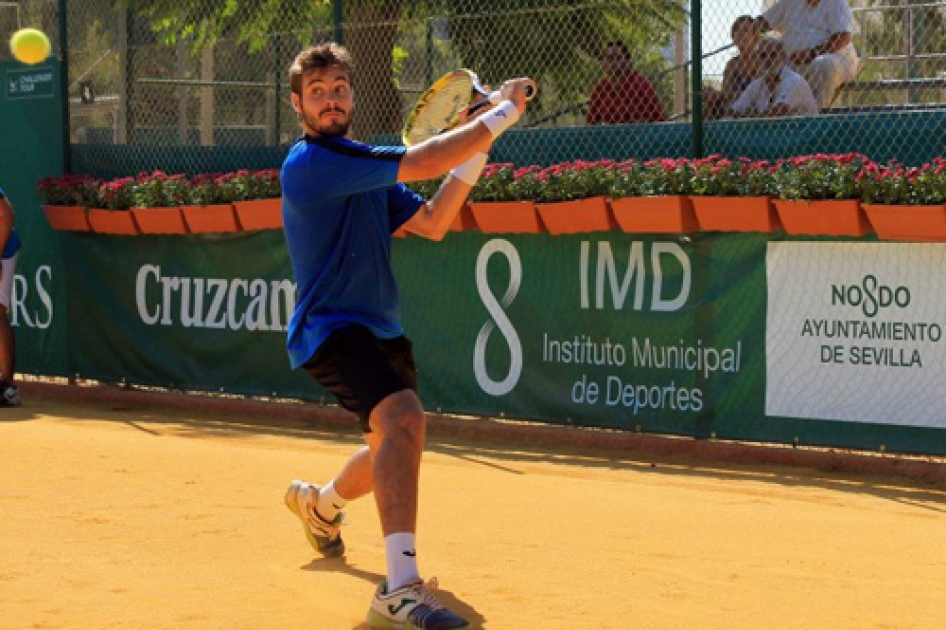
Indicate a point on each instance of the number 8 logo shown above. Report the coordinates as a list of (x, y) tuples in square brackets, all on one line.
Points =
[(499, 319)]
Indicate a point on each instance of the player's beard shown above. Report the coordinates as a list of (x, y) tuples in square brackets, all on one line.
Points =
[(338, 129)]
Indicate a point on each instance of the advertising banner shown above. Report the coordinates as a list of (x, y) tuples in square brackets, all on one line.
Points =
[(609, 329), (855, 332), (184, 312), (31, 116)]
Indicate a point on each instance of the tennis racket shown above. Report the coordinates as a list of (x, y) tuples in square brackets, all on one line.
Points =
[(436, 109)]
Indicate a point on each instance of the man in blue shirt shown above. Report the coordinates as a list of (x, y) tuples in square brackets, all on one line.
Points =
[(342, 200), (10, 243)]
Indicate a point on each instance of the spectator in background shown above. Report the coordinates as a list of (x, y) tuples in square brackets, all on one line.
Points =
[(740, 71), (10, 244), (779, 91), (623, 95), (818, 35)]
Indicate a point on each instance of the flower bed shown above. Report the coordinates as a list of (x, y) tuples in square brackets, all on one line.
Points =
[(834, 195), (158, 203)]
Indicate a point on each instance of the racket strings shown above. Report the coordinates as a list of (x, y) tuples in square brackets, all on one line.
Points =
[(437, 109)]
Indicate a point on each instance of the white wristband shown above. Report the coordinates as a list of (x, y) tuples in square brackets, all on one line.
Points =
[(500, 118), (470, 170)]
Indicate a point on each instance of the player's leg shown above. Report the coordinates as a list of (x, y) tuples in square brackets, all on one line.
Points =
[(396, 440), (9, 393), (321, 508), (361, 372)]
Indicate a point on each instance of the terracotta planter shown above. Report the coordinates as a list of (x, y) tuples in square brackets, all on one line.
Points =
[(160, 220), (68, 218), (908, 223), (260, 214), (736, 214), (497, 217), (213, 219), (672, 214), (465, 220), (823, 218), (113, 222), (400, 233), (575, 217)]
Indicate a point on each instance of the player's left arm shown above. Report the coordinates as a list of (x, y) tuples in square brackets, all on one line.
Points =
[(7, 219), (434, 218)]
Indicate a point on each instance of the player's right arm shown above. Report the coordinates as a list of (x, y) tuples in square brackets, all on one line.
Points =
[(438, 155)]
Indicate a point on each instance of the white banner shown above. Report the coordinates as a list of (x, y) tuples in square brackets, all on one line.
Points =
[(855, 332)]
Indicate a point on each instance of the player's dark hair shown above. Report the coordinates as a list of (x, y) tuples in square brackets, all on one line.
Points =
[(316, 57)]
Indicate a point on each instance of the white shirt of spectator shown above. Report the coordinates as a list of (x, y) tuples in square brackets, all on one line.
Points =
[(802, 26), (792, 90)]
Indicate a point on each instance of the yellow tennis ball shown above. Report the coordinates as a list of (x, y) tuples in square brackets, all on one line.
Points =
[(30, 46)]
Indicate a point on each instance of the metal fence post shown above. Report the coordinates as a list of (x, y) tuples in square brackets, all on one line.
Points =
[(338, 12), (64, 84), (696, 54)]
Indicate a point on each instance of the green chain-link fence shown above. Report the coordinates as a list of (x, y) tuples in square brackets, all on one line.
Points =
[(176, 84)]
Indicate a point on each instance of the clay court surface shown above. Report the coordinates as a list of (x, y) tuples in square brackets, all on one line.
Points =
[(125, 517)]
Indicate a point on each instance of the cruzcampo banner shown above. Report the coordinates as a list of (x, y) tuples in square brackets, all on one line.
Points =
[(184, 312)]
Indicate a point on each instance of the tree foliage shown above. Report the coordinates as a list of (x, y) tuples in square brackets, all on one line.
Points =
[(558, 42), (203, 22)]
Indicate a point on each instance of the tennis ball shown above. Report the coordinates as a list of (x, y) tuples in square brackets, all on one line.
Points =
[(30, 46)]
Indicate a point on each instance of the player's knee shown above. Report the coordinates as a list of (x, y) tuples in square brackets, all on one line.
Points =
[(399, 416)]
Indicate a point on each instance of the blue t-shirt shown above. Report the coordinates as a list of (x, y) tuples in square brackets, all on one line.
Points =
[(341, 203), (12, 248)]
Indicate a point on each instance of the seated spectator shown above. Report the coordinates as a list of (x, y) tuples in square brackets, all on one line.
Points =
[(779, 91), (623, 95), (739, 72), (818, 35)]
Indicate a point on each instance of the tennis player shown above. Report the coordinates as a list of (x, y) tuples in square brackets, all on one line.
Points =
[(10, 244), (342, 200)]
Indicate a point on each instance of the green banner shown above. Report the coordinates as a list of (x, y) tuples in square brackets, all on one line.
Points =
[(609, 330), (32, 149), (185, 312), (656, 334)]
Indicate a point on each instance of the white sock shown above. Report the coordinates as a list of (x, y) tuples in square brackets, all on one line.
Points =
[(330, 502), (401, 555)]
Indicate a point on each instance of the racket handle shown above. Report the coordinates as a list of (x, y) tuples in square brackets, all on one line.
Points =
[(495, 98)]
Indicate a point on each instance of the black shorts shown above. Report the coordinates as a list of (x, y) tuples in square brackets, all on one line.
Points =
[(362, 370)]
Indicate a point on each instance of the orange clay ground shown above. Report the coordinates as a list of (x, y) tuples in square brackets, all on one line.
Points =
[(125, 517)]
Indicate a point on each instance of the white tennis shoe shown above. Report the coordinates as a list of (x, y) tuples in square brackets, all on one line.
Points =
[(324, 536), (411, 607)]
